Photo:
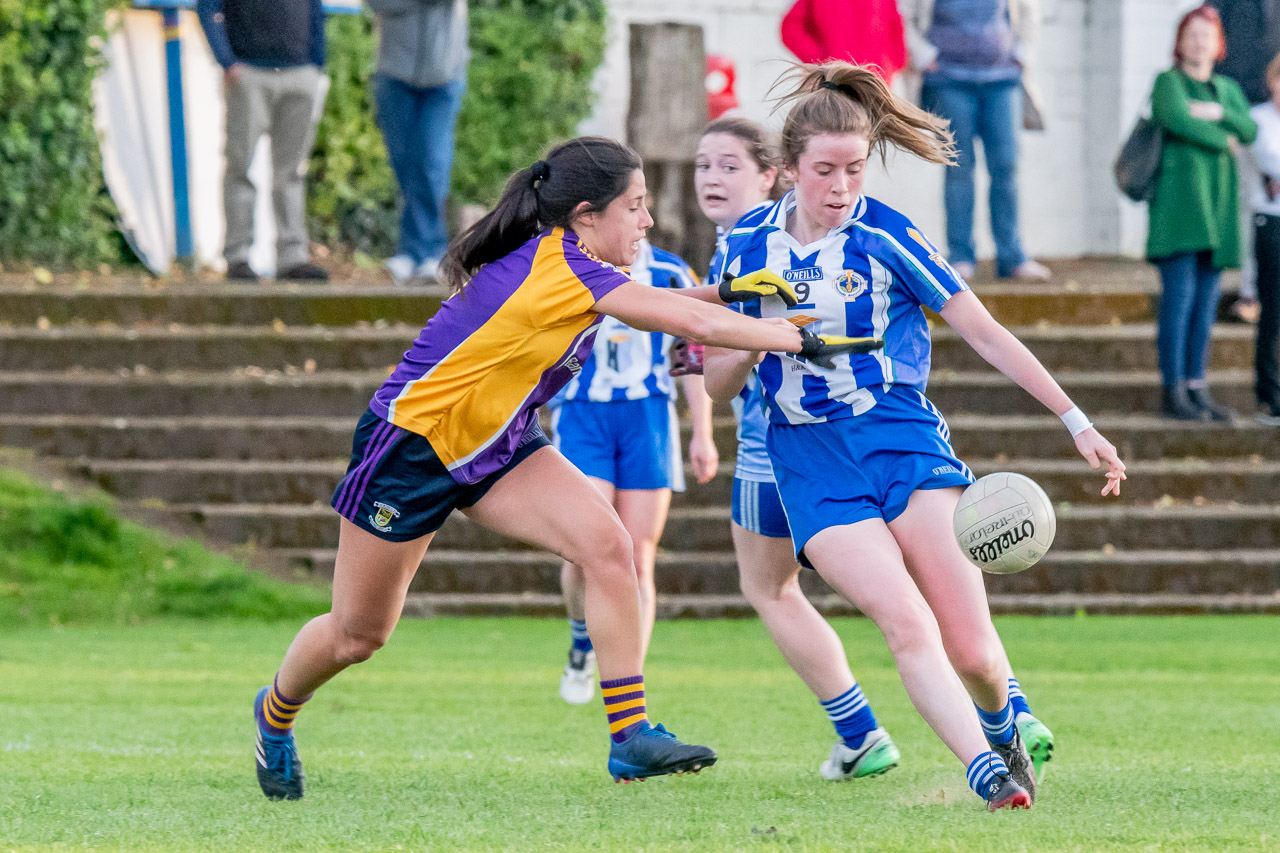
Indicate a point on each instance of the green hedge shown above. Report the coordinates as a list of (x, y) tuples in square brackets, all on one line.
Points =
[(529, 85), (53, 206)]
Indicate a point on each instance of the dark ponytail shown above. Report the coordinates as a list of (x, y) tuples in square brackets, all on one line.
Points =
[(591, 169)]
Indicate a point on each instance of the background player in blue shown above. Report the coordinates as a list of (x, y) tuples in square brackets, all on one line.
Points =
[(616, 422), (735, 179), (863, 460)]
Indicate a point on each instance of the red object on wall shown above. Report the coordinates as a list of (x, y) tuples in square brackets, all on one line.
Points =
[(721, 76), (868, 32)]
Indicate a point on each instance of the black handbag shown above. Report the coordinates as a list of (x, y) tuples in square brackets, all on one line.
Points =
[(1137, 168)]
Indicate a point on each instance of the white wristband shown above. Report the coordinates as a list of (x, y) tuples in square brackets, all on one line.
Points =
[(1075, 420)]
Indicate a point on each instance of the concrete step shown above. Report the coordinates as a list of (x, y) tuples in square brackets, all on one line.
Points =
[(1127, 347), (1123, 527), (303, 437), (372, 346), (221, 303), (178, 347), (1097, 298), (308, 481), (339, 393), (426, 605), (716, 573)]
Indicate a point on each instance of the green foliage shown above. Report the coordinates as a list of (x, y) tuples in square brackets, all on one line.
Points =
[(452, 738), (71, 559), (529, 85), (53, 205)]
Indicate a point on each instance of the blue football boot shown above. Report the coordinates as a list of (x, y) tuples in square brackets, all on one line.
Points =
[(654, 751), (279, 767)]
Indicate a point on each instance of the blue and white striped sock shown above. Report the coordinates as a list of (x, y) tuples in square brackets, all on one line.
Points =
[(982, 772), (1018, 699), (578, 631), (997, 725), (850, 713)]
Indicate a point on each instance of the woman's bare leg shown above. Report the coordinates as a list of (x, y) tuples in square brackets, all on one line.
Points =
[(644, 515), (573, 585), (547, 502), (370, 581), (769, 576), (954, 590), (862, 562)]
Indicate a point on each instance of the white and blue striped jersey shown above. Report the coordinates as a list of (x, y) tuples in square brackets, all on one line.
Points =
[(625, 363), (753, 459), (868, 277)]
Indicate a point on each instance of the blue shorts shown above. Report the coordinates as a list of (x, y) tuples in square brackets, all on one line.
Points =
[(757, 508), (866, 466), (398, 489), (634, 444)]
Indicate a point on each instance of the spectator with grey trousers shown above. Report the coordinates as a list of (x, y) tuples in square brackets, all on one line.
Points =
[(418, 87), (272, 53)]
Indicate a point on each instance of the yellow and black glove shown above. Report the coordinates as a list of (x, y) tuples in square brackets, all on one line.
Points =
[(822, 349), (753, 285)]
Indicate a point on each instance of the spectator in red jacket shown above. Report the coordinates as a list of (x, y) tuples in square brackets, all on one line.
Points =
[(867, 32)]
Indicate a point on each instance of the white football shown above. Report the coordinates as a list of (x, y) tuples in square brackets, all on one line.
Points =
[(1004, 523)]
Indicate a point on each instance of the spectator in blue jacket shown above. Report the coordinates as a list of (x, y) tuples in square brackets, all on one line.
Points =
[(272, 54)]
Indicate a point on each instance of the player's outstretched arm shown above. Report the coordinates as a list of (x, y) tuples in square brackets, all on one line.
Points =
[(744, 288), (652, 309), (725, 371), (965, 313)]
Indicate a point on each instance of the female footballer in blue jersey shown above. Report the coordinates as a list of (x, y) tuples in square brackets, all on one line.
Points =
[(455, 427), (735, 170), (735, 177), (616, 422), (863, 461)]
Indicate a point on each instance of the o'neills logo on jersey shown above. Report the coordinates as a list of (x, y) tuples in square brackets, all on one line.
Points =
[(805, 274), (573, 365), (850, 285)]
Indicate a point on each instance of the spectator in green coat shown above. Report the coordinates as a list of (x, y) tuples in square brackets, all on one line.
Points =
[(1195, 218)]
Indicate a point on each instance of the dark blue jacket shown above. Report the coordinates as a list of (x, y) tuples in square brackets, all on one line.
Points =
[(265, 33)]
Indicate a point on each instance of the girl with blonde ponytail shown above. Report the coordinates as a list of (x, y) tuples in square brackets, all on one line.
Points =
[(862, 459)]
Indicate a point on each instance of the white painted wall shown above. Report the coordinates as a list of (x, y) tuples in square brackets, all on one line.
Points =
[(1097, 59)]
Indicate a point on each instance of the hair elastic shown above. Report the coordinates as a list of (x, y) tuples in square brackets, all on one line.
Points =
[(833, 86), (541, 171)]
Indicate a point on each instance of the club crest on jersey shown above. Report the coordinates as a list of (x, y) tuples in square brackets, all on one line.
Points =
[(934, 254), (384, 516), (850, 285)]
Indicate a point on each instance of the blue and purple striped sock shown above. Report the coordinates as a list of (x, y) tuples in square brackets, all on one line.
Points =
[(624, 703)]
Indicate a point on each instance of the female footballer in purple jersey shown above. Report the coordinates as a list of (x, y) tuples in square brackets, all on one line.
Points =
[(863, 461), (455, 427)]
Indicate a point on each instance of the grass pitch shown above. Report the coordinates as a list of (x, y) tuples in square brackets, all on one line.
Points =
[(453, 738)]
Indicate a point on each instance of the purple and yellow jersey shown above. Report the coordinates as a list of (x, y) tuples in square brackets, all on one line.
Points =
[(516, 334)]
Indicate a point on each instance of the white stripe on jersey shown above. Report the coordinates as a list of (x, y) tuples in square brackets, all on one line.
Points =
[(910, 258)]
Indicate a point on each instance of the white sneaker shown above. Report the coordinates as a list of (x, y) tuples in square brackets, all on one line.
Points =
[(401, 267), (964, 269), (1031, 271), (877, 755), (430, 268), (578, 684)]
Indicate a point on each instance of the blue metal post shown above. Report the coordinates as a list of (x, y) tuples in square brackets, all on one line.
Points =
[(177, 137)]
